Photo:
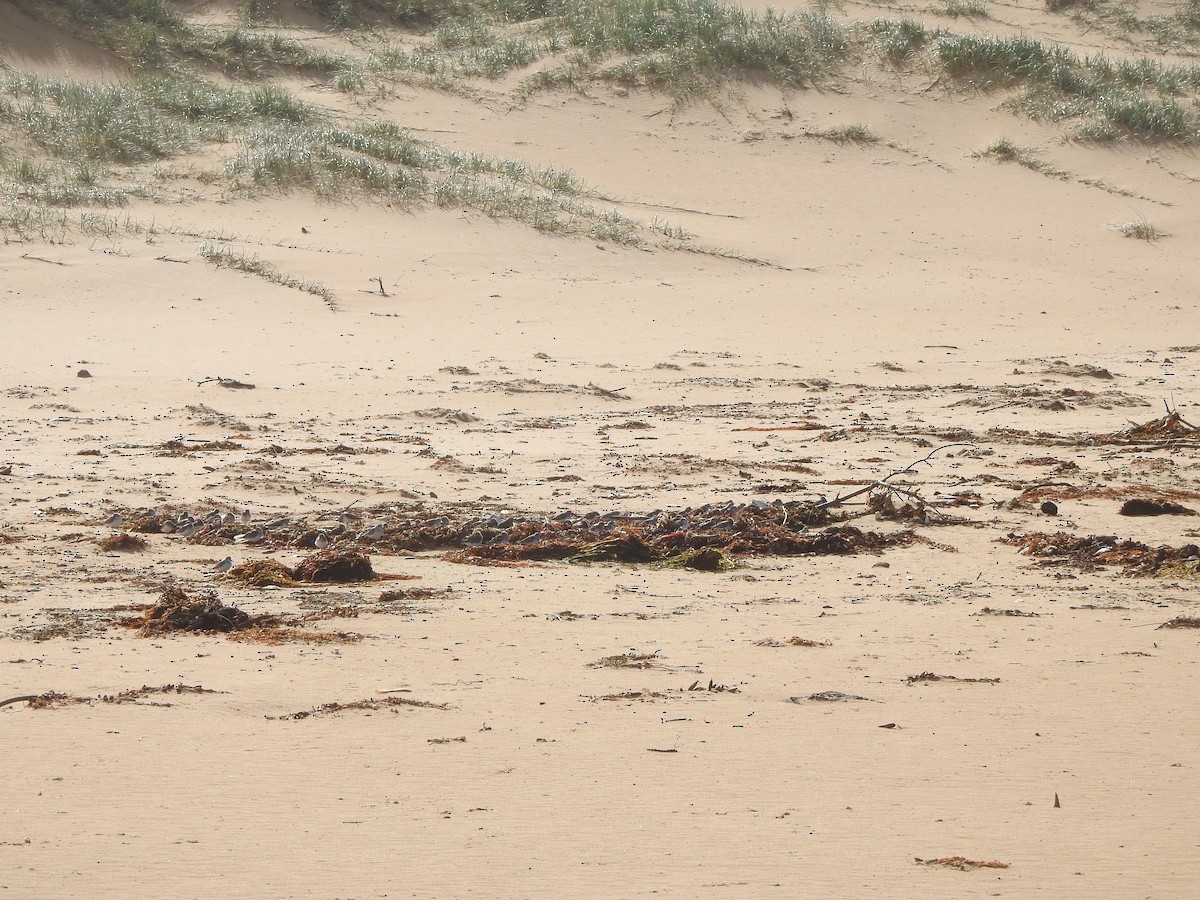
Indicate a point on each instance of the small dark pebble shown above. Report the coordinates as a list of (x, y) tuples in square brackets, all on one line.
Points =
[(1050, 509)]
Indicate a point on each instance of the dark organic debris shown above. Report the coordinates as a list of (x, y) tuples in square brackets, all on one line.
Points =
[(1144, 507), (337, 566), (1182, 622), (960, 862), (176, 610), (262, 573), (629, 548), (989, 611), (928, 677), (1170, 428), (122, 542), (371, 703), (134, 694), (706, 538), (54, 699), (1092, 552)]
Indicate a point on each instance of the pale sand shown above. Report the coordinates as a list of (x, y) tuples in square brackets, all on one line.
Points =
[(969, 275)]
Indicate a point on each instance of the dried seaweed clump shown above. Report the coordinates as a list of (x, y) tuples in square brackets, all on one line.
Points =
[(122, 542), (1182, 622), (176, 610), (1092, 552), (371, 703), (630, 548), (339, 566), (706, 559), (263, 573), (1171, 427)]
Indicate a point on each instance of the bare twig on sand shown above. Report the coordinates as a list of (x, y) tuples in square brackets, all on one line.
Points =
[(883, 482)]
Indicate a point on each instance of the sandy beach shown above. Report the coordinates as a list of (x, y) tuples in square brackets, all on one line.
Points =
[(624, 633)]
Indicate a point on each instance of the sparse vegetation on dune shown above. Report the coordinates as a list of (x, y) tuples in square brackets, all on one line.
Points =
[(73, 144)]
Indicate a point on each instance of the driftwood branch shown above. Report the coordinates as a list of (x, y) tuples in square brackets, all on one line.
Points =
[(23, 697), (883, 482)]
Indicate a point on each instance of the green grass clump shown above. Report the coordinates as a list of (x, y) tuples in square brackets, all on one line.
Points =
[(897, 40), (1005, 150), (971, 9), (712, 39), (152, 118)]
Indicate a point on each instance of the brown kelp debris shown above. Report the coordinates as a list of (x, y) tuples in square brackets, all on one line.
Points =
[(462, 739), (122, 542), (410, 602), (1020, 613), (629, 660), (335, 565), (1169, 428), (1181, 622), (1140, 506), (262, 573), (1092, 552), (929, 677), (630, 548), (133, 695), (371, 703), (176, 610), (1061, 490), (54, 699), (706, 559), (793, 641), (960, 862)]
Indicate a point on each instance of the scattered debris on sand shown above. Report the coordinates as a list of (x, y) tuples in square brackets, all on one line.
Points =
[(1092, 552), (930, 677), (629, 660), (960, 862), (1014, 613), (369, 704)]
